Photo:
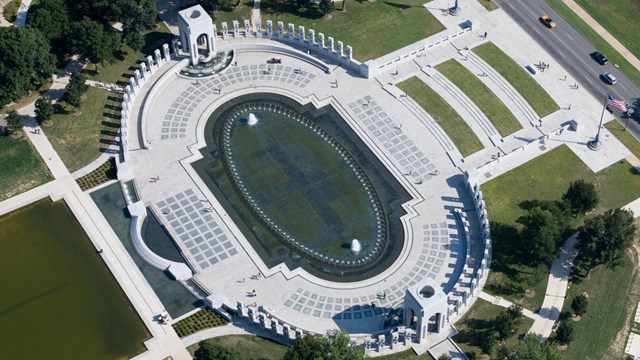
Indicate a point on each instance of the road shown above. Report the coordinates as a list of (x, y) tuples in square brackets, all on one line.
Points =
[(572, 51)]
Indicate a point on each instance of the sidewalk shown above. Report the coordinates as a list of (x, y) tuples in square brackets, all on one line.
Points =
[(632, 59)]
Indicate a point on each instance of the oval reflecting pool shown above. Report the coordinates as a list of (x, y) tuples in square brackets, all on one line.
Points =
[(302, 187)]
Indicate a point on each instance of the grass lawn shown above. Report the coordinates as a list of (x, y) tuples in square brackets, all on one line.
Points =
[(538, 179), (122, 69), (250, 347), (21, 168), (475, 326), (489, 4), (80, 139), (239, 13), (479, 93), (517, 76), (613, 295), (596, 40), (372, 28), (625, 137), (460, 133)]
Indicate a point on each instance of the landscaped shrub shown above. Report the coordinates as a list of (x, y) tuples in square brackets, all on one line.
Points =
[(11, 10), (203, 319)]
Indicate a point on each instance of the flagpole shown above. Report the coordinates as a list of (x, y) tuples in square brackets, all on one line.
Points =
[(596, 144)]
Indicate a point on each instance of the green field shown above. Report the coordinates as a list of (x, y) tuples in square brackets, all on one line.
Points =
[(460, 133), (372, 28), (539, 179), (625, 137), (517, 76), (79, 139), (596, 40), (499, 115), (119, 71), (239, 13), (613, 295), (489, 4), (21, 167), (475, 326)]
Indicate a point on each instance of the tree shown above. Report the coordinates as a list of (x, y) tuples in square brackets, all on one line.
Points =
[(604, 238), (529, 348), (564, 333), (540, 234), (74, 89), (581, 197), (333, 347), (579, 305), (44, 110), (209, 350), (14, 121), (326, 6), (93, 41), (52, 19), (133, 38), (506, 322), (25, 62), (444, 357)]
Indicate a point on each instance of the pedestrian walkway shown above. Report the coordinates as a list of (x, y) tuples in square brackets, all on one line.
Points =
[(632, 59)]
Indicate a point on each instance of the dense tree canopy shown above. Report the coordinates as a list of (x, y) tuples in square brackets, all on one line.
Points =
[(25, 62), (93, 42), (52, 19), (604, 238), (540, 235), (14, 121), (209, 350), (74, 89), (581, 197), (564, 333), (334, 347), (44, 110), (579, 305), (529, 348)]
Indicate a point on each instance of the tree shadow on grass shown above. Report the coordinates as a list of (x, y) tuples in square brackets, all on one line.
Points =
[(399, 6)]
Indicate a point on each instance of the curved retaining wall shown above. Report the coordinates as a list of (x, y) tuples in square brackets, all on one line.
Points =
[(179, 271)]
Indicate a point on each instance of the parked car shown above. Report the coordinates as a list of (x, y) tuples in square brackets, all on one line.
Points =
[(599, 58), (547, 21), (608, 78)]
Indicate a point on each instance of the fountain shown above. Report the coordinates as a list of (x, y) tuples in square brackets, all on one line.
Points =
[(355, 246), (252, 120)]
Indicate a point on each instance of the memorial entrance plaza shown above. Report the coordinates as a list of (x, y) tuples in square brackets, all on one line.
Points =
[(446, 250)]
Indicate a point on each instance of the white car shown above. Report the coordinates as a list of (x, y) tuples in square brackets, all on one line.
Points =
[(608, 78)]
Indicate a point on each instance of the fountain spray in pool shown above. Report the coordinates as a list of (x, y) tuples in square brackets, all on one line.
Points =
[(355, 246), (252, 120)]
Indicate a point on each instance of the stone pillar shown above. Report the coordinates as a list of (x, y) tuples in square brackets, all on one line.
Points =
[(156, 54), (321, 41), (301, 38), (143, 70), (247, 27), (349, 53), (136, 75), (174, 46), (312, 38), (330, 45), (280, 30), (167, 53), (236, 28), (225, 30), (258, 23), (291, 32), (340, 49), (269, 29), (150, 63)]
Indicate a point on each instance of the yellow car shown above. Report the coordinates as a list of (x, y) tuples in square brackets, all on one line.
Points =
[(547, 21)]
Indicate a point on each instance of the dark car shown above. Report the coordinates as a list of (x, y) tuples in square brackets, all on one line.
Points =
[(601, 59)]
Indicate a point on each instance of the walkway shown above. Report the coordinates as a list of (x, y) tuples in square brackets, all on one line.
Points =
[(555, 293), (632, 59)]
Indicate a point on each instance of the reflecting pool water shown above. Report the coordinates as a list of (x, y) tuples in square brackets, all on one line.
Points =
[(59, 300)]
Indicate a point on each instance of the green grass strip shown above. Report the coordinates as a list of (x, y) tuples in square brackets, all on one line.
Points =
[(612, 300), (517, 76), (497, 112), (457, 129), (625, 137), (597, 41), (490, 5), (79, 138), (21, 168)]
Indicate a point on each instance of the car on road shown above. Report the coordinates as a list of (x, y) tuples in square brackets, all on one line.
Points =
[(608, 78), (547, 21), (599, 58)]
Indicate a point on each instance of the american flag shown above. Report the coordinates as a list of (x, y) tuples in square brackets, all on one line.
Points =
[(618, 104)]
